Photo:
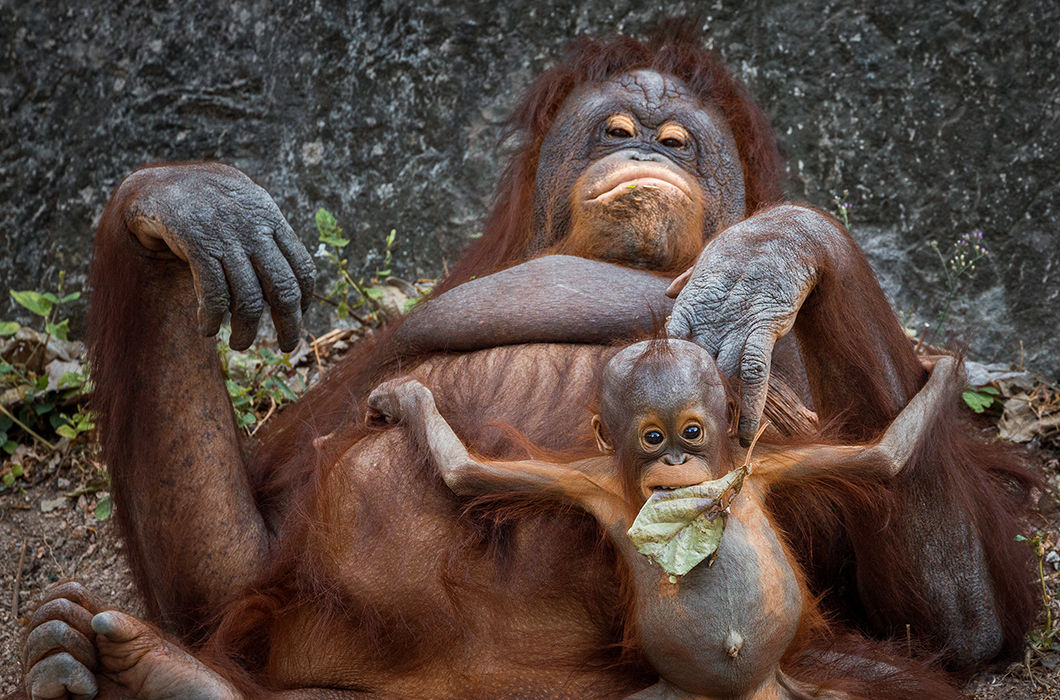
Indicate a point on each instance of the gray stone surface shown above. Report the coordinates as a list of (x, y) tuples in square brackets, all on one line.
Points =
[(938, 118)]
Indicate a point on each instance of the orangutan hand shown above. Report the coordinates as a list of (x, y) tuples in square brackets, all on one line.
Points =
[(745, 291), (73, 650), (241, 250)]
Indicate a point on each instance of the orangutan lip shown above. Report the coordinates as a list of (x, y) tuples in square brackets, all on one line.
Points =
[(627, 180)]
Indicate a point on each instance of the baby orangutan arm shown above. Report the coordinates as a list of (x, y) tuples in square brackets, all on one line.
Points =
[(884, 459), (590, 483)]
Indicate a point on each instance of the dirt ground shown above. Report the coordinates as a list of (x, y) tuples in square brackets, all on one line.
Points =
[(49, 532)]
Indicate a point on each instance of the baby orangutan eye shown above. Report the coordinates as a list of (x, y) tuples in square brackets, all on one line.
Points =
[(653, 437), (692, 433)]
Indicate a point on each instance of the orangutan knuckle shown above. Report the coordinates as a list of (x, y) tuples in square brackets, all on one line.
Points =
[(754, 368), (248, 307), (286, 297)]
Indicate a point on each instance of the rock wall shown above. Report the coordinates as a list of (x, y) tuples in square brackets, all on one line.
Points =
[(937, 118)]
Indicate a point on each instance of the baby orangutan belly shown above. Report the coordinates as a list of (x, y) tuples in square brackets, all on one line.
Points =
[(720, 630)]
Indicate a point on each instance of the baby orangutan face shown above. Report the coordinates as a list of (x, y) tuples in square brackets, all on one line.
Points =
[(664, 413)]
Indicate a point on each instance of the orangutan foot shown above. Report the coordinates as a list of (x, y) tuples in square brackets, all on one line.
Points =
[(71, 650)]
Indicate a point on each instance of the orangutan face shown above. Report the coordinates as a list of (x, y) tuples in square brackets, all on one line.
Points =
[(639, 172)]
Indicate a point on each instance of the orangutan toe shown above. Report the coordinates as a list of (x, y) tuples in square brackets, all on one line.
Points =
[(60, 676)]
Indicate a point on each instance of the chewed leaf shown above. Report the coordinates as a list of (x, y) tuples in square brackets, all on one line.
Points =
[(679, 528)]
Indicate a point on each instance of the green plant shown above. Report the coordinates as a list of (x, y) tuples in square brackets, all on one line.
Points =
[(255, 382), (843, 208), (46, 305), (980, 398), (1044, 638), (332, 248), (958, 267), (33, 408)]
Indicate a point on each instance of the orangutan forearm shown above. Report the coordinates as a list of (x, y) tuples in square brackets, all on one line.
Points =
[(554, 299), (167, 422)]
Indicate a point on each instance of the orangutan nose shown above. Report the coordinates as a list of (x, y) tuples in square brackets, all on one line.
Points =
[(674, 459), (641, 156)]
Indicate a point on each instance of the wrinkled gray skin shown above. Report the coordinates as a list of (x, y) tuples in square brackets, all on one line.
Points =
[(258, 258)]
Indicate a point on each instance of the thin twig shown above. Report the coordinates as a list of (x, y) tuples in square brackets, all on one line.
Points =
[(25, 427), (272, 407), (18, 582)]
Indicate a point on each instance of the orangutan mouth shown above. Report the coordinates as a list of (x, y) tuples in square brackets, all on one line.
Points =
[(628, 181)]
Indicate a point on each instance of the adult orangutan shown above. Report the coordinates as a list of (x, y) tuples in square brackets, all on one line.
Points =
[(334, 561)]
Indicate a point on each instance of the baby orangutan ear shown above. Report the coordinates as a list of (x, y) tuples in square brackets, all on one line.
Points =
[(601, 440), (734, 415)]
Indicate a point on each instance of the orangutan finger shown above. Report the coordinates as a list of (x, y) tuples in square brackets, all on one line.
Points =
[(211, 289), (299, 259), (246, 298)]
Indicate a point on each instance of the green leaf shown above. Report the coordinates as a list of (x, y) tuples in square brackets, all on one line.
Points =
[(343, 310), (9, 447), (41, 408), (60, 330), (72, 296), (390, 237), (8, 480), (104, 508), (410, 304), (72, 379), (373, 292), (976, 401), (8, 327), (5, 423), (34, 301), (1021, 538), (16, 470), (66, 431), (246, 419), (328, 229)]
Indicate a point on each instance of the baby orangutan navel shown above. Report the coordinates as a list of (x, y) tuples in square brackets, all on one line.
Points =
[(718, 599)]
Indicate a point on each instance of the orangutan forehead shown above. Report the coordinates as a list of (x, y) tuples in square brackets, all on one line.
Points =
[(651, 97), (655, 90)]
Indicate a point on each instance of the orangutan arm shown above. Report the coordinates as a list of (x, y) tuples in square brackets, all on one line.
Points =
[(794, 267), (177, 247), (554, 299), (589, 483), (883, 459)]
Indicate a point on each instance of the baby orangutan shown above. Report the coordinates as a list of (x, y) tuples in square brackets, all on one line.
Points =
[(719, 629)]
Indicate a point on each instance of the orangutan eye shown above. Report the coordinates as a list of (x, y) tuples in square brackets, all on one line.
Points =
[(653, 437), (673, 136), (621, 126), (691, 433)]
